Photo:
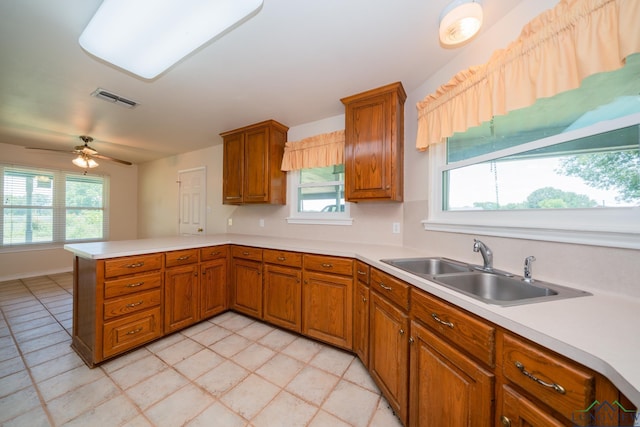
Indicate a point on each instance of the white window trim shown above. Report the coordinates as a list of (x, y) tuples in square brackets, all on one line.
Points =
[(611, 227), (316, 218)]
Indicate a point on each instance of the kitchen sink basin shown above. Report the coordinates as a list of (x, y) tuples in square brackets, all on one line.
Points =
[(428, 266), (502, 290)]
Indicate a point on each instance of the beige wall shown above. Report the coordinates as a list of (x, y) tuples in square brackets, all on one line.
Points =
[(123, 204)]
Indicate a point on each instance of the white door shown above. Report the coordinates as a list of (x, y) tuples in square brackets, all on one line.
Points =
[(192, 199)]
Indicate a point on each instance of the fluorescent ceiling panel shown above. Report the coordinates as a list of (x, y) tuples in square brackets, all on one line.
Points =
[(146, 37)]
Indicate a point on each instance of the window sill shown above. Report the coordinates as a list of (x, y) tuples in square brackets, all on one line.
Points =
[(319, 221), (615, 239)]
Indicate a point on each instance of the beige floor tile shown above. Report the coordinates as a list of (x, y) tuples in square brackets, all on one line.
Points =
[(277, 340), (112, 413), (165, 342), (124, 360), (141, 369), (8, 350), (44, 355), (45, 341), (33, 418), (345, 398), (196, 329), (237, 322), (221, 318), (11, 366), (14, 382), (255, 331), (332, 360), (280, 369), (34, 323), (156, 388), (18, 403), (230, 345), (217, 415), (180, 407), (250, 396), (285, 410), (302, 349), (180, 351), (358, 374), (324, 419), (253, 356), (68, 381), (37, 332), (56, 366), (70, 405), (384, 416), (313, 385), (222, 378), (211, 335), (199, 363)]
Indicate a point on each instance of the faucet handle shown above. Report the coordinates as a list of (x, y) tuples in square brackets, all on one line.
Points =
[(528, 261)]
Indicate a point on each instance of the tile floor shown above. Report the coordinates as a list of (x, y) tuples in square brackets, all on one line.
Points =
[(228, 371)]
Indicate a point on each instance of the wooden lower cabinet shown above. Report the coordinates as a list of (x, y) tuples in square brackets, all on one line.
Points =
[(213, 288), (283, 296), (447, 387), (181, 295), (389, 352), (518, 411), (361, 322)]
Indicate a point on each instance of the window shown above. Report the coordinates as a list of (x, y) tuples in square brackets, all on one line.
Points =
[(565, 169), (317, 196), (44, 207)]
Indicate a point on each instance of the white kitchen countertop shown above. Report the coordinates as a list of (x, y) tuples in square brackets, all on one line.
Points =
[(599, 331)]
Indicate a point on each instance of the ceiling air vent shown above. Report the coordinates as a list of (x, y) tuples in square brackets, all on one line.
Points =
[(113, 98)]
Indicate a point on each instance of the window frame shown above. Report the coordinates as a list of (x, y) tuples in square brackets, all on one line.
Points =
[(611, 227), (59, 208), (315, 218)]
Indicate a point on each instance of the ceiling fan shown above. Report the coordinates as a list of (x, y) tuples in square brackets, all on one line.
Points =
[(85, 154)]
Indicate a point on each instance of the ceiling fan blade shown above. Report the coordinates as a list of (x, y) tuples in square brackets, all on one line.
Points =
[(100, 156), (52, 149)]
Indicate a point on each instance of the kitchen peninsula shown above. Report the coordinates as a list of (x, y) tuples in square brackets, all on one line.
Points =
[(566, 333)]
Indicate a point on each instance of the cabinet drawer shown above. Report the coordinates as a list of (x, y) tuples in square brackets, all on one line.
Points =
[(470, 334), (131, 331), (131, 304), (291, 259), (213, 252), (329, 264), (362, 272), (129, 285), (175, 258), (247, 252), (561, 384), (132, 264), (393, 289)]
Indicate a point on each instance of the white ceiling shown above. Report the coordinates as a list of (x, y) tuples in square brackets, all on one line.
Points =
[(292, 62)]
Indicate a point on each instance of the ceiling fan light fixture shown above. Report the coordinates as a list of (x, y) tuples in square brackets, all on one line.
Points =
[(146, 37), (460, 21), (85, 162)]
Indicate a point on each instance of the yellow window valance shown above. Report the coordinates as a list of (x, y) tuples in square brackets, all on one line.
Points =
[(326, 149), (553, 54)]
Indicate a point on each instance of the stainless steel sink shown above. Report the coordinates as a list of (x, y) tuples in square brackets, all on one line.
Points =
[(502, 290), (428, 266), (499, 288)]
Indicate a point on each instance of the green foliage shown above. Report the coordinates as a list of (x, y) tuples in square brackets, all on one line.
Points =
[(618, 170), (544, 198)]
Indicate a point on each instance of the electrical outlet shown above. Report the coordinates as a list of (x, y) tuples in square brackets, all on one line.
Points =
[(230, 222), (261, 222), (396, 228)]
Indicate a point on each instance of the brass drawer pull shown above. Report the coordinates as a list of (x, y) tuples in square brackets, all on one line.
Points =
[(362, 273), (245, 253), (184, 257), (135, 304), (216, 253), (135, 331), (327, 265), (556, 387), (136, 265), (386, 288), (442, 322), (134, 285), (506, 422), (281, 258)]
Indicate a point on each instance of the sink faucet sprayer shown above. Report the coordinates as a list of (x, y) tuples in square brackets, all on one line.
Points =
[(527, 269), (487, 255)]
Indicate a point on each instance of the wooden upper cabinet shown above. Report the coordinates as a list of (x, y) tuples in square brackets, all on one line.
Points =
[(251, 165), (374, 144)]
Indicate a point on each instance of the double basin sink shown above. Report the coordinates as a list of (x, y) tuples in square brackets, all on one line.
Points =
[(494, 287)]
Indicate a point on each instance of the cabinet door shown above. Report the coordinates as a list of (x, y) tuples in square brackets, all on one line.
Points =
[(232, 171), (447, 387), (246, 287), (518, 411), (283, 296), (213, 287), (389, 352), (328, 308), (361, 323), (256, 166), (180, 297)]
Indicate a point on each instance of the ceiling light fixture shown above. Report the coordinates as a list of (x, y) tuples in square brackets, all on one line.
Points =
[(146, 37), (460, 21), (85, 162)]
